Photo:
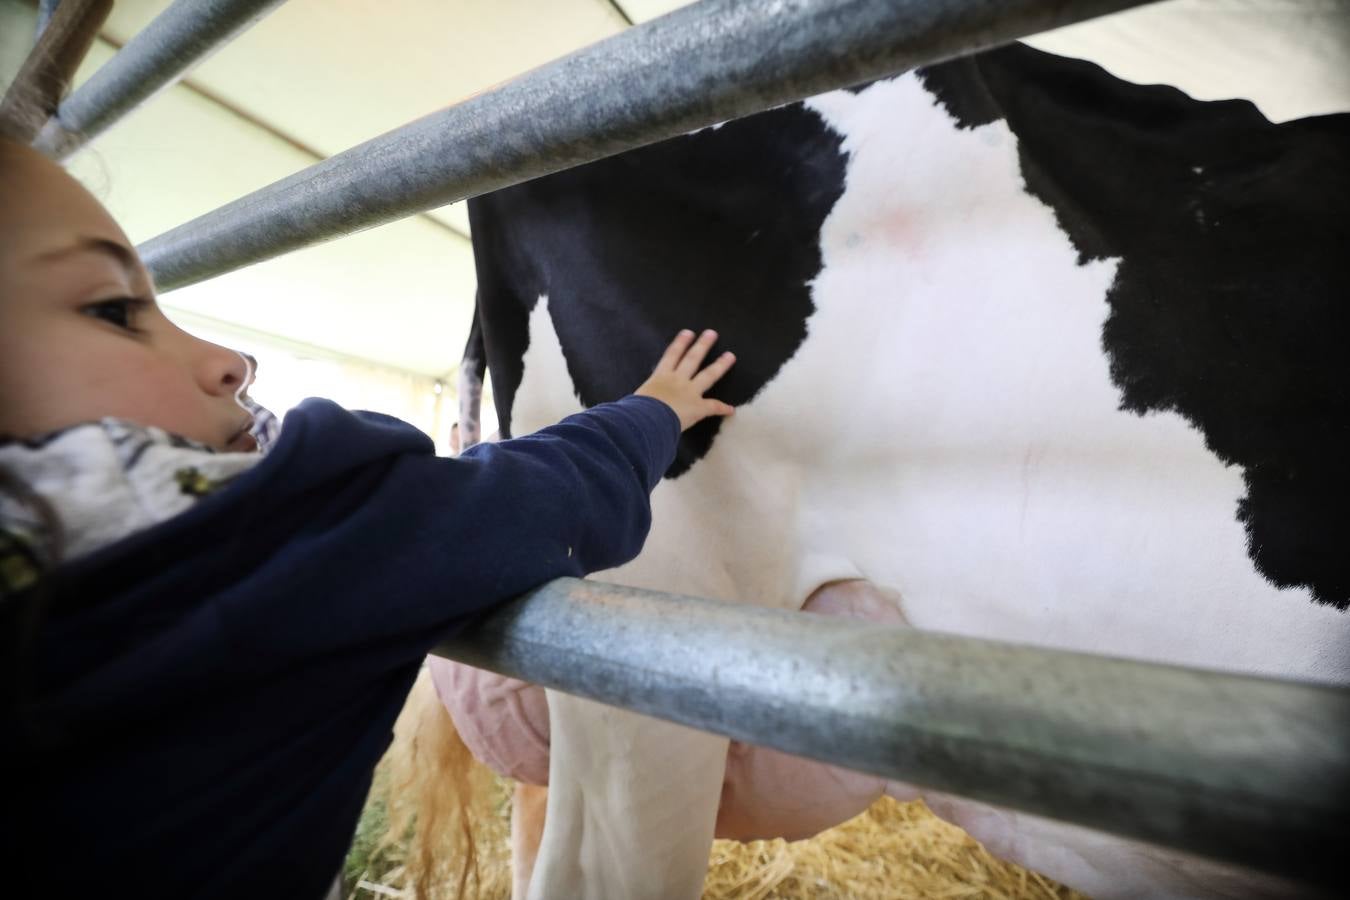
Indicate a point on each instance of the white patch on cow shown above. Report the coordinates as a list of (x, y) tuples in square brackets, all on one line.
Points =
[(978, 460), (948, 429), (470, 405), (545, 394)]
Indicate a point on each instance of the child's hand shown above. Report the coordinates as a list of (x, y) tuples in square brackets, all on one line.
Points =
[(678, 383)]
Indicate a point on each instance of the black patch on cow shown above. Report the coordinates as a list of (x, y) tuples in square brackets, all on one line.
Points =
[(957, 85), (1231, 304), (718, 229)]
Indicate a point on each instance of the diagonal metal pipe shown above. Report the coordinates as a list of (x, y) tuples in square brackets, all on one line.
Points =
[(174, 42), (702, 64), (1246, 770)]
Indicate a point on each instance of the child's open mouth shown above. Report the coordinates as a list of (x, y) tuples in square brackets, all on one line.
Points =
[(243, 441)]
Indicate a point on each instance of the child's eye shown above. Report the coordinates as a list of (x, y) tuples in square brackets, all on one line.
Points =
[(120, 312)]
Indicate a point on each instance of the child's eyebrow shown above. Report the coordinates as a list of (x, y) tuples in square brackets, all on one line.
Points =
[(120, 253)]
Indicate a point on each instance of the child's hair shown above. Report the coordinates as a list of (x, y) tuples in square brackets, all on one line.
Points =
[(439, 802)]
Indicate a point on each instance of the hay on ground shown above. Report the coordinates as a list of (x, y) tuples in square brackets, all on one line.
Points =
[(894, 850)]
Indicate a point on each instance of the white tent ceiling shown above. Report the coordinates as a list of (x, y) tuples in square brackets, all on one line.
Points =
[(318, 76), (314, 78)]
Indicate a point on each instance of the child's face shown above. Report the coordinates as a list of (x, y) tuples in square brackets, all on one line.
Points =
[(81, 336)]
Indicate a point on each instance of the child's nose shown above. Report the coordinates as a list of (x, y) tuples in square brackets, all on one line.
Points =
[(221, 371)]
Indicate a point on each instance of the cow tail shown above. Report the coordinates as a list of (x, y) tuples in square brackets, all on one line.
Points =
[(472, 366), (437, 798)]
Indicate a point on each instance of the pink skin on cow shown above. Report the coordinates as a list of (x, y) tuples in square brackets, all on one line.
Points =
[(765, 793)]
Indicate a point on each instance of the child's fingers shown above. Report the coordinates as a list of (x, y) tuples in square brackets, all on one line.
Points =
[(693, 357), (718, 408), (714, 371), (675, 352)]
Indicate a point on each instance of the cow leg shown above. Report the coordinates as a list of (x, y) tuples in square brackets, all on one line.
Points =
[(472, 366), (470, 408), (631, 805), (528, 802)]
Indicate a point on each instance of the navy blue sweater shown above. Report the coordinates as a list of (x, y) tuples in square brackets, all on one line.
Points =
[(214, 692)]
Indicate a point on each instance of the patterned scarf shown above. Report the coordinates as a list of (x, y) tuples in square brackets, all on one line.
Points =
[(101, 482)]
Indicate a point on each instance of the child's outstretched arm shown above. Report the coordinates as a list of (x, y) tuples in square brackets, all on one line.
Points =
[(352, 542), (390, 546), (582, 486)]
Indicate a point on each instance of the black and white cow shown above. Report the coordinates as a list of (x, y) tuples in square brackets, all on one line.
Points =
[(1053, 357)]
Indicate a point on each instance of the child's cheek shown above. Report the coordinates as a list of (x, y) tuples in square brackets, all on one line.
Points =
[(149, 390)]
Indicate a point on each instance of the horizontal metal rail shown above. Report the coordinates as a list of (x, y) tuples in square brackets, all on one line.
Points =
[(176, 40), (1242, 769), (703, 64)]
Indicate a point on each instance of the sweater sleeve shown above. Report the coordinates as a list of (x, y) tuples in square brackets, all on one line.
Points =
[(392, 556), (570, 499)]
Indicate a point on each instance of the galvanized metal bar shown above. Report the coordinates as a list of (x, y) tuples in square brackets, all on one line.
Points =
[(703, 64), (176, 40), (1246, 770)]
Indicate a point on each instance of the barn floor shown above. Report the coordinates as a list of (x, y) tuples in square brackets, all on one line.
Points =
[(893, 850)]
